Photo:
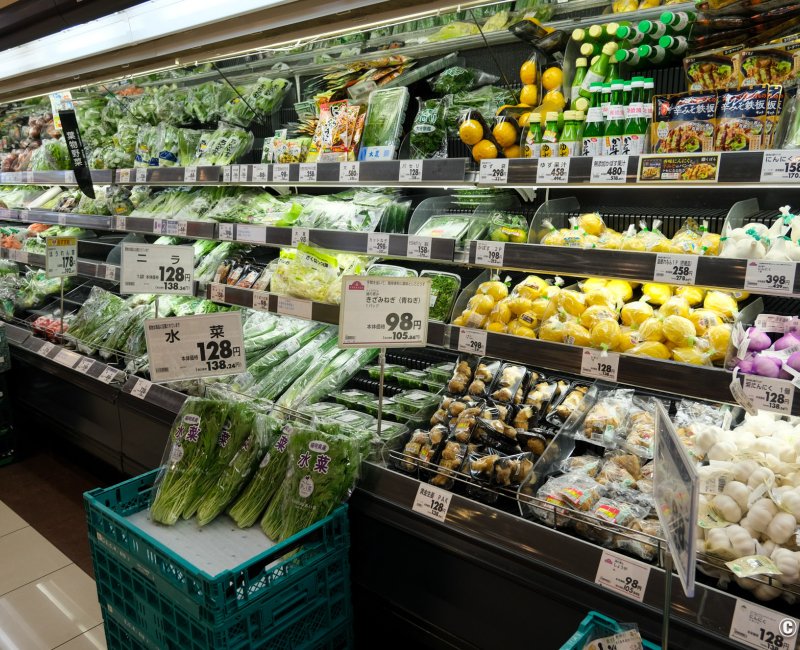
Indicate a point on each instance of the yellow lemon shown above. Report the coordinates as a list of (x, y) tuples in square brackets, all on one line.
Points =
[(694, 295), (704, 319), (650, 349), (470, 132), (527, 72), (691, 355), (590, 284), (552, 330), (627, 339), (520, 305), (595, 314), (554, 101), (722, 303), (501, 312), (529, 318), (719, 338), (675, 306), (494, 288), (552, 78), (657, 293), (606, 335), (527, 332), (485, 149), (592, 223), (622, 288), (481, 304), (602, 296), (572, 302), (576, 334), (635, 313), (679, 330), (496, 326), (529, 95), (524, 119), (514, 151), (651, 330)]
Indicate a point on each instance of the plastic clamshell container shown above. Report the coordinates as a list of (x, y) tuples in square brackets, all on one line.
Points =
[(391, 271), (328, 409), (450, 226), (354, 419), (594, 626), (441, 304), (389, 370), (411, 378), (386, 112), (392, 437), (441, 372), (352, 396), (413, 402), (372, 407), (434, 385)]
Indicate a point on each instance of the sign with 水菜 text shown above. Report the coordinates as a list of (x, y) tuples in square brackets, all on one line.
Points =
[(205, 345)]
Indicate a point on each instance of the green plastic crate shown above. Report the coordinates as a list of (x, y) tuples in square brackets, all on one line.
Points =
[(596, 623), (209, 598)]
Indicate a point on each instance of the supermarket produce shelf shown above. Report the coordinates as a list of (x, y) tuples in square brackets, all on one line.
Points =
[(172, 227), (86, 268), (65, 219), (271, 302), (716, 272), (708, 614)]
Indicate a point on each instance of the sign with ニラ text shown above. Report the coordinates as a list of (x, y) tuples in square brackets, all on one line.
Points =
[(205, 345), (384, 312), (676, 493), (150, 268)]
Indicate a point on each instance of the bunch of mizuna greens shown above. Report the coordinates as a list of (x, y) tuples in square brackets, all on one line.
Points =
[(226, 454)]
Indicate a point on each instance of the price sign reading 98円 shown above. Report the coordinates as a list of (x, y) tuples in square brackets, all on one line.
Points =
[(384, 312), (206, 345)]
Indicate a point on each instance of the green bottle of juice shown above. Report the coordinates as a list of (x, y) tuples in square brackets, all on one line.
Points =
[(549, 145), (599, 69), (581, 66), (533, 139), (569, 144), (615, 125), (592, 138), (635, 124), (605, 99)]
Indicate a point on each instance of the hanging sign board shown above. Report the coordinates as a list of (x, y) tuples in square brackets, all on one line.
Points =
[(77, 154)]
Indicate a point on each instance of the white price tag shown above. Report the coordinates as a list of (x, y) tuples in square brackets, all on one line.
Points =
[(493, 171), (205, 345), (158, 226), (280, 173), (62, 220), (378, 243), (622, 575), (149, 268), (300, 236), (142, 386), (472, 341), (141, 174), (108, 375), (190, 175), (109, 272), (61, 257), (120, 223), (609, 169), (252, 234), (174, 228), (261, 173), (123, 175), (490, 253), (432, 502), (294, 307), (308, 172), (675, 269), (410, 171), (226, 231), (349, 172), (235, 174), (381, 312), (551, 171), (776, 277), (46, 348), (780, 167), (217, 292), (628, 640), (594, 364), (226, 173), (84, 364), (773, 395), (775, 323), (67, 358), (419, 248), (261, 300), (762, 628)]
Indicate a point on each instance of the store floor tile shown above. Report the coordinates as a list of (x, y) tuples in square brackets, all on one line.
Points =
[(10, 521), (25, 556), (49, 611), (94, 639)]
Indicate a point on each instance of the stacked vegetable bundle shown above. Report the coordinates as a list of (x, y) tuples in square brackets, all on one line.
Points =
[(237, 456)]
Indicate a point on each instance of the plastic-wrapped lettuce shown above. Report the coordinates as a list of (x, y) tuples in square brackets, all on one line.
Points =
[(263, 97), (146, 147), (167, 145), (223, 146), (314, 274), (51, 156)]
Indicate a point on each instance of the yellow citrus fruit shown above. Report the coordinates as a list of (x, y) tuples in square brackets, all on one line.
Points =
[(552, 78), (527, 72), (555, 100), (496, 326), (520, 305), (501, 312), (484, 149), (505, 134), (527, 332), (529, 95), (514, 151), (481, 304), (494, 288), (470, 132), (524, 119)]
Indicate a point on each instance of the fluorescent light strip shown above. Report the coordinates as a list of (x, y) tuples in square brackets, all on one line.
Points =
[(140, 24)]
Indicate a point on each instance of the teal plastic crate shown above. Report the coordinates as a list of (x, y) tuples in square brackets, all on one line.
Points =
[(309, 615), (210, 599), (596, 623)]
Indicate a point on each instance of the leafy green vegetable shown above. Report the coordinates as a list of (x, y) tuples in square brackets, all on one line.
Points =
[(444, 291), (428, 137), (51, 156), (384, 121)]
